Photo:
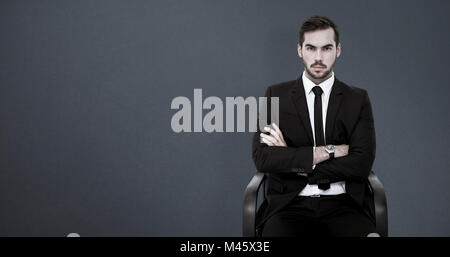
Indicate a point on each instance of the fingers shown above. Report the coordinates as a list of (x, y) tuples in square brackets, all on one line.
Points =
[(275, 138), (268, 139), (277, 129), (276, 132), (265, 141), (273, 133)]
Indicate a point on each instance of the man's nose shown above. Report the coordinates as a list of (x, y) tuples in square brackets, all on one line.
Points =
[(318, 56)]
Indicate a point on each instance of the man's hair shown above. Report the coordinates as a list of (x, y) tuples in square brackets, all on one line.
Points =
[(317, 23)]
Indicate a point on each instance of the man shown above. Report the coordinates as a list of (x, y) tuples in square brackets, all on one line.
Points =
[(318, 158)]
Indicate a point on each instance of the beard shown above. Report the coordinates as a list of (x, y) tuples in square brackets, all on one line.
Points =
[(318, 77)]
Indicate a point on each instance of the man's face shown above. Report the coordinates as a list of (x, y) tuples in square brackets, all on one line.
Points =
[(319, 53)]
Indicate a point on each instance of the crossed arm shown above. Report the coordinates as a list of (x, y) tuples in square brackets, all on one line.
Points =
[(352, 162), (275, 138)]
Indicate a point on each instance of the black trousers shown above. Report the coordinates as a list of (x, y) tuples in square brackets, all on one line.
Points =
[(333, 216)]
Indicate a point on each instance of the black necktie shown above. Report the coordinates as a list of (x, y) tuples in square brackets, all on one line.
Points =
[(318, 121), (318, 126)]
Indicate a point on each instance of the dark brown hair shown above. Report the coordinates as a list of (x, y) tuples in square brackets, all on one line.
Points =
[(317, 23)]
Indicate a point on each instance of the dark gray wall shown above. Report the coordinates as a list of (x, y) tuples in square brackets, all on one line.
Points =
[(85, 90)]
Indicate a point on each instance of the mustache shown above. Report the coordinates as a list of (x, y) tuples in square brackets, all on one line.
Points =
[(318, 64)]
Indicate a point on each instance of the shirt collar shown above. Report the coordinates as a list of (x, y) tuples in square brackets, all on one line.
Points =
[(325, 85)]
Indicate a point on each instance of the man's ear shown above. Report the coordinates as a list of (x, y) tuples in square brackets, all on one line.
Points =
[(299, 50), (338, 50)]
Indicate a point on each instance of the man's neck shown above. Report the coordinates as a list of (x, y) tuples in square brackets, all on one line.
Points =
[(318, 81)]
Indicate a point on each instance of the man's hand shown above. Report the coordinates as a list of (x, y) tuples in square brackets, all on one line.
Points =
[(340, 151), (275, 138)]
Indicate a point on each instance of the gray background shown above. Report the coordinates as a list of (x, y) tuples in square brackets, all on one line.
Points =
[(85, 90)]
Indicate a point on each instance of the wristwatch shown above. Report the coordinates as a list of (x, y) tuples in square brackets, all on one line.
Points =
[(330, 150)]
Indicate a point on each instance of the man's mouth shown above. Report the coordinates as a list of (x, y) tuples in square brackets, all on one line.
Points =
[(318, 67)]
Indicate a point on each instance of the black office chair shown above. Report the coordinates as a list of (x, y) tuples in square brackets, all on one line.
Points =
[(251, 199)]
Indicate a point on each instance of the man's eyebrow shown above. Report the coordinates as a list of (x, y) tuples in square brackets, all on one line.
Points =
[(327, 45)]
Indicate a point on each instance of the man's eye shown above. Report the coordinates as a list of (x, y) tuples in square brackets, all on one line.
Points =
[(309, 48), (327, 48)]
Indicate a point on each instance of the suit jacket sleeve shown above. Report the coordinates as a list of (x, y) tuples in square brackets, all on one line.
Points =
[(358, 163), (278, 158)]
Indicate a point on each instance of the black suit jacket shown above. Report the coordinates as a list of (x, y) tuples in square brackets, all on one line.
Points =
[(349, 121)]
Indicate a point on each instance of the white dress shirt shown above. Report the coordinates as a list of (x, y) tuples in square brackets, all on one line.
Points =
[(338, 187)]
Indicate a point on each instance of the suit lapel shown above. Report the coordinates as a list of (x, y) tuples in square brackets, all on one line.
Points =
[(333, 107), (301, 106)]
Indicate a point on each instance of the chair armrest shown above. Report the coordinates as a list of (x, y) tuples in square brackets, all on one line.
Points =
[(250, 204), (380, 205)]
